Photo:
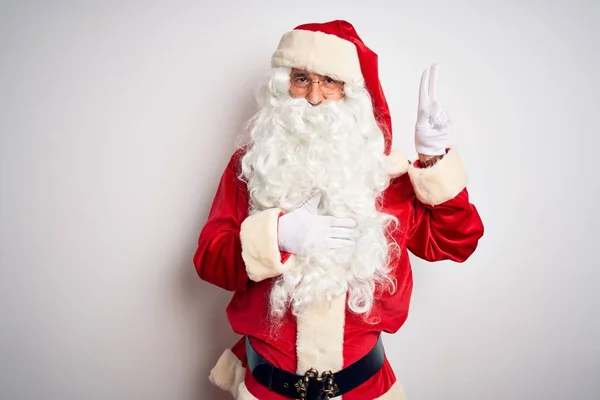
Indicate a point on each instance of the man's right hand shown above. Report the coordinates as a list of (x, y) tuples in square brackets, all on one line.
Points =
[(303, 231)]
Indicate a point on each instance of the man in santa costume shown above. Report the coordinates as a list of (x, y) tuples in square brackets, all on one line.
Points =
[(313, 220)]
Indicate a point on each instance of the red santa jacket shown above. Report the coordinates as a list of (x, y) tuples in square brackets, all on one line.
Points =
[(240, 254)]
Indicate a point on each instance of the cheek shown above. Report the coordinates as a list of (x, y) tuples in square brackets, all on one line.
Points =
[(295, 95), (337, 96)]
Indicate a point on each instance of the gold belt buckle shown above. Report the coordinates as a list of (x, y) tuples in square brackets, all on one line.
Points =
[(329, 390)]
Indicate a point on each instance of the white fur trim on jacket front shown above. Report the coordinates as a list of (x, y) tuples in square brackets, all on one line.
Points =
[(320, 336), (260, 248), (441, 182), (319, 52), (228, 373)]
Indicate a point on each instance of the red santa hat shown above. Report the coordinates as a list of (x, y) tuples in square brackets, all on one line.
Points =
[(334, 49)]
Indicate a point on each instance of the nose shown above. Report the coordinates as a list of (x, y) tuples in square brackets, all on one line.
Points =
[(314, 95)]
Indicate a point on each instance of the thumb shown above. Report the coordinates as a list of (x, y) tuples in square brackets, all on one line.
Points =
[(312, 204)]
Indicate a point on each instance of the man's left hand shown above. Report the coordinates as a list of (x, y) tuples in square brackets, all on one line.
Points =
[(433, 122)]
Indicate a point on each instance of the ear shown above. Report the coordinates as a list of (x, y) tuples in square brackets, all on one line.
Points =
[(397, 164)]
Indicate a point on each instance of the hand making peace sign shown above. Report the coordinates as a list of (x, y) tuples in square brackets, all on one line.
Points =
[(433, 122)]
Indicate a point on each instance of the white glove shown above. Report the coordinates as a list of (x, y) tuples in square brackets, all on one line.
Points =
[(431, 129), (303, 231)]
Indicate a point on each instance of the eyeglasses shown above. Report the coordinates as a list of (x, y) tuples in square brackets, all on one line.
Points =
[(301, 83)]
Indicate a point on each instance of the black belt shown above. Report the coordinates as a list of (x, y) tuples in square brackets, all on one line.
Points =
[(314, 385)]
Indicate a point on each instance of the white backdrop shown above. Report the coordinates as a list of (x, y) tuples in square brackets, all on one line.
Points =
[(117, 119)]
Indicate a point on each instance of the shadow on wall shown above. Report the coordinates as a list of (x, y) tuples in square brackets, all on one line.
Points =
[(208, 302), (217, 336), (211, 332), (205, 305)]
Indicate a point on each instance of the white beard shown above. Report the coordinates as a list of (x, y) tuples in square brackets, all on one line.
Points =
[(336, 148)]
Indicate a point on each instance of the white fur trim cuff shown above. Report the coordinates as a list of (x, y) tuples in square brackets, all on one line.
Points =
[(260, 248), (228, 373), (319, 52), (441, 182), (397, 164)]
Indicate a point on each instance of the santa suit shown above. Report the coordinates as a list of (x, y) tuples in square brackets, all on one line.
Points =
[(240, 254)]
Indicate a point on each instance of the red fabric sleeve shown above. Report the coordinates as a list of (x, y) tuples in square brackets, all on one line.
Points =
[(239, 349), (447, 231), (218, 258)]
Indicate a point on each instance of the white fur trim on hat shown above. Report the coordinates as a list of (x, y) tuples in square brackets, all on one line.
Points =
[(321, 53)]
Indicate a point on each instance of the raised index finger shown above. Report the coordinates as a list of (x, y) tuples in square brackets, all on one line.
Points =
[(433, 81), (423, 99)]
